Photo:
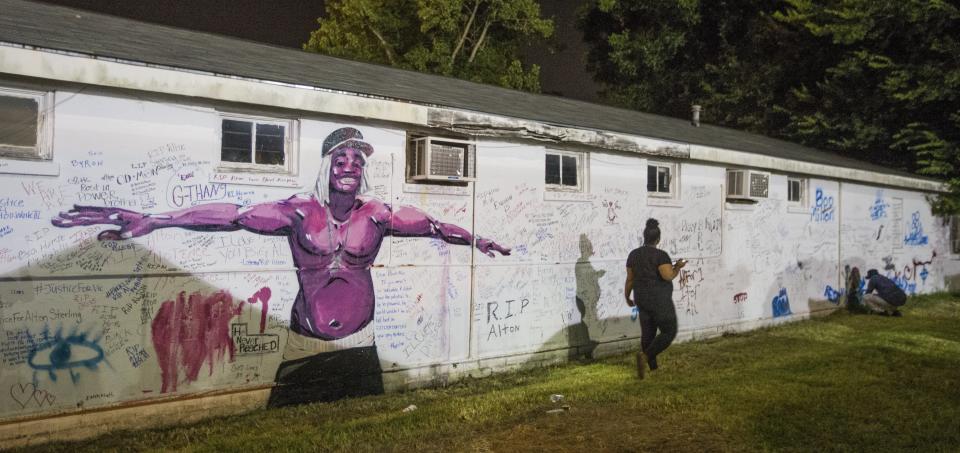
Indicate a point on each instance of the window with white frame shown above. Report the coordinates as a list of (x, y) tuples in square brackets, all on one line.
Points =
[(662, 179), (796, 191), (25, 124), (255, 143), (565, 170)]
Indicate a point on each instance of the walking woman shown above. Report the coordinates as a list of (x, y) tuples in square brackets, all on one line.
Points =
[(650, 274)]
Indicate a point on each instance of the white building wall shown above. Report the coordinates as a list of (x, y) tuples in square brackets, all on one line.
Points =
[(66, 298), (894, 232)]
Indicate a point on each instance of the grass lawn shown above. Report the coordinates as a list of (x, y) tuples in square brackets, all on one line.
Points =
[(839, 383)]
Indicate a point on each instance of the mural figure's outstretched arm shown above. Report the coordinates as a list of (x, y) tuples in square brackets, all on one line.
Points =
[(273, 218), (410, 221)]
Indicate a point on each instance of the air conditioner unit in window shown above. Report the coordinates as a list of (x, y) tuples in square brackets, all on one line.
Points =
[(442, 159), (747, 184)]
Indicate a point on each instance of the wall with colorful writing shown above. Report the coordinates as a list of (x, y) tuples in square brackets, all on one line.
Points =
[(220, 281), (894, 232)]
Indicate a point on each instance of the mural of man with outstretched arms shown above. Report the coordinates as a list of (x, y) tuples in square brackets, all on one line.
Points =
[(334, 234)]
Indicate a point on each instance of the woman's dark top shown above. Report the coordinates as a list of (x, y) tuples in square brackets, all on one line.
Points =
[(650, 291)]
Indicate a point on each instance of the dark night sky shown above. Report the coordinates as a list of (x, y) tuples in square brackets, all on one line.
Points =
[(288, 23)]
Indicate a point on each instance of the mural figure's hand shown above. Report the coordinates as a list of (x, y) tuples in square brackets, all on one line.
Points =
[(132, 224), (487, 247)]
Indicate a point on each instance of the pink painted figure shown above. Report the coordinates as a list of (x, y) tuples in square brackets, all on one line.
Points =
[(334, 234)]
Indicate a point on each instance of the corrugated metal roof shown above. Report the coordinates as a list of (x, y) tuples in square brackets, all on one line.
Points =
[(54, 27)]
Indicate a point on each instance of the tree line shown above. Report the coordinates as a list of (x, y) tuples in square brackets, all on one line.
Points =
[(875, 80)]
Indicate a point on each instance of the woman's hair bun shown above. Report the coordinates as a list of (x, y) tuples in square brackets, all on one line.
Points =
[(652, 223)]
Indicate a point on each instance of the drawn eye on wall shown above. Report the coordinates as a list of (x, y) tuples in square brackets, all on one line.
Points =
[(59, 352)]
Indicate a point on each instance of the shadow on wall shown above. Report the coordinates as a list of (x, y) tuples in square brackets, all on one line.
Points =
[(95, 340), (81, 342), (85, 341), (588, 294), (578, 337)]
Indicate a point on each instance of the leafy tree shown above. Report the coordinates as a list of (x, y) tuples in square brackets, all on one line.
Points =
[(872, 79), (664, 56), (891, 90), (477, 40)]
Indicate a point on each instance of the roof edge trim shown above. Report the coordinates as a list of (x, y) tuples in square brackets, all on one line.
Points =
[(86, 69), (81, 68), (788, 166)]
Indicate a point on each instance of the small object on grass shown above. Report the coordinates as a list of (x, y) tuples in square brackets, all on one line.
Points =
[(410, 408), (554, 411), (556, 398)]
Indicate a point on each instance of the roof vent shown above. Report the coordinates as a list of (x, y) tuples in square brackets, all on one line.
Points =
[(695, 121)]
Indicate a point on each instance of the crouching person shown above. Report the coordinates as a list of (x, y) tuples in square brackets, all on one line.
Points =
[(888, 298)]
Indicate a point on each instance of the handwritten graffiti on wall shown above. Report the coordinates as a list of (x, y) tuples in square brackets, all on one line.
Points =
[(246, 338), (915, 236), (335, 234), (29, 395), (879, 208), (689, 285), (252, 343), (190, 186), (337, 231), (822, 207), (781, 304), (60, 351), (137, 355), (499, 312)]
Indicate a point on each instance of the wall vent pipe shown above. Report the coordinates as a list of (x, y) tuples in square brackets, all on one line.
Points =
[(696, 109)]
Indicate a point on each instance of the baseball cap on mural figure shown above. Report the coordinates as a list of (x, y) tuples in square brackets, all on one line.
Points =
[(871, 273), (346, 136)]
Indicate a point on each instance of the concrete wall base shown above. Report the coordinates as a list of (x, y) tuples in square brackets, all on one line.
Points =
[(154, 414)]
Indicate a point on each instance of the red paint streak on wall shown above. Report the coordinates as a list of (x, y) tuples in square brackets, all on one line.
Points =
[(263, 297), (194, 330)]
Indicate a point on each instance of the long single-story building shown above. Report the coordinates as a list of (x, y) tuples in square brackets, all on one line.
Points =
[(193, 225)]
